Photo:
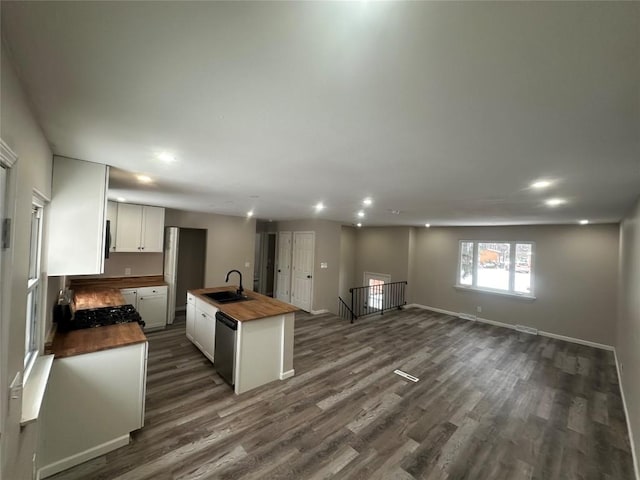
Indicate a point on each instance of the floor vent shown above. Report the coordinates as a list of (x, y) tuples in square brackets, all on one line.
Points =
[(524, 329), (406, 375), (467, 316)]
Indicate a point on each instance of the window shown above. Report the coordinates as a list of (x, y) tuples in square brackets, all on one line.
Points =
[(34, 287), (505, 267), (376, 281)]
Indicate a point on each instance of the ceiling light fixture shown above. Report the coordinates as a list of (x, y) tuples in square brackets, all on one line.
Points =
[(541, 184), (319, 206), (554, 202), (428, 225), (166, 157), (584, 222), (367, 201), (143, 178), (358, 225), (361, 214), (250, 213)]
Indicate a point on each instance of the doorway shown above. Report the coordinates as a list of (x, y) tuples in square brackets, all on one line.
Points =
[(264, 273), (375, 282), (192, 249)]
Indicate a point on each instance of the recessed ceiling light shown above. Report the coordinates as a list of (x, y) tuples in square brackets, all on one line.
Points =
[(367, 201), (358, 225), (319, 206), (250, 213), (541, 184), (360, 214), (428, 225), (554, 202), (584, 222), (121, 199), (143, 178), (166, 157)]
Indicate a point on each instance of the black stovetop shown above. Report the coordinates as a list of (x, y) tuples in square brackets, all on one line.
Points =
[(99, 317)]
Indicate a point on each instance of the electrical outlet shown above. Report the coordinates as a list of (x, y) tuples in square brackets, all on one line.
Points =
[(247, 264), (127, 271), (479, 309)]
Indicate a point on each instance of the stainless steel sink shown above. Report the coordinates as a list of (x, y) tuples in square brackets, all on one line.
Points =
[(226, 296)]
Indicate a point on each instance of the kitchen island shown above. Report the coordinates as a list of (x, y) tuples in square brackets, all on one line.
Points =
[(264, 336), (96, 392)]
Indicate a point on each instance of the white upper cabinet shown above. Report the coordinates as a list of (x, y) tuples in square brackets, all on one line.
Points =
[(77, 213), (139, 228)]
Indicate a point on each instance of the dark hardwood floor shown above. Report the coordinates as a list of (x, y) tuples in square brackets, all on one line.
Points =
[(491, 403)]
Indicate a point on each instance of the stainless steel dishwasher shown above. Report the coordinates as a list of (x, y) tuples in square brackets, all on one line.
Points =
[(225, 347)]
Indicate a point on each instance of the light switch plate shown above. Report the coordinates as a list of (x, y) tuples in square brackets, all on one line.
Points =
[(323, 265)]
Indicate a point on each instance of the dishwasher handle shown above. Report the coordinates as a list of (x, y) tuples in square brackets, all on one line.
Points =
[(226, 320)]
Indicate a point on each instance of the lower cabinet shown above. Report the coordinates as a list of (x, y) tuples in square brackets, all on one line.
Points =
[(92, 402), (201, 325), (151, 304)]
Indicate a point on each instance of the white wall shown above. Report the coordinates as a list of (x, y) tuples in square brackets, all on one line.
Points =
[(628, 328), (20, 131)]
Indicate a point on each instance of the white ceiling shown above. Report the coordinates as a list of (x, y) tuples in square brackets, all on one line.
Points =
[(445, 111)]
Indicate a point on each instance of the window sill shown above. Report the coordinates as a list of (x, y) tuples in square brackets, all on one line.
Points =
[(521, 296), (35, 386)]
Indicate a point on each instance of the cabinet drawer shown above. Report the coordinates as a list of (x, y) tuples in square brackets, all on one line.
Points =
[(206, 307), (148, 291)]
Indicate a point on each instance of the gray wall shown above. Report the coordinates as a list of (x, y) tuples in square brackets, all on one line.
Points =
[(383, 250), (348, 252), (575, 278), (628, 331), (21, 133), (230, 243), (139, 263), (327, 249)]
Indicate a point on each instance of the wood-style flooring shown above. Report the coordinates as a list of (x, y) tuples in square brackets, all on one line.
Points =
[(491, 403)]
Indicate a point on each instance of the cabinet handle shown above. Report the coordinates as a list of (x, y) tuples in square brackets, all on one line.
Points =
[(203, 315)]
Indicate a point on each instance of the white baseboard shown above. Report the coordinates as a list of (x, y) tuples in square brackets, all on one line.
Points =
[(78, 458), (318, 312), (636, 467), (588, 343), (287, 374)]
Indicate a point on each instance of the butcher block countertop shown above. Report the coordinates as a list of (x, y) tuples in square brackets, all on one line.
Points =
[(89, 340), (119, 282), (96, 297), (260, 306)]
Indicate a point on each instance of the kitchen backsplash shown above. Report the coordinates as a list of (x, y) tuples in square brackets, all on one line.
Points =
[(125, 264)]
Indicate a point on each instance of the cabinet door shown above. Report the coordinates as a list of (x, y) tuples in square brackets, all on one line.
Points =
[(153, 310), (152, 229), (77, 217), (191, 321), (205, 333), (128, 228), (130, 296)]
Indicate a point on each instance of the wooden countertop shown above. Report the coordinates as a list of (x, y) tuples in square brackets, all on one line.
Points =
[(260, 306), (118, 282), (96, 297), (90, 340)]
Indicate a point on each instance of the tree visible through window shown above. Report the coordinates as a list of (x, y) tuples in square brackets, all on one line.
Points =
[(496, 266)]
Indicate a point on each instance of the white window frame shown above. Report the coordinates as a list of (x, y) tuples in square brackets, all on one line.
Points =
[(34, 325), (512, 265)]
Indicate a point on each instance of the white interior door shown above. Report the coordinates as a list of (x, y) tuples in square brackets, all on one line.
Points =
[(302, 270), (283, 275)]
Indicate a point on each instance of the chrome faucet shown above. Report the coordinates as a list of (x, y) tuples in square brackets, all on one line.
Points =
[(240, 289)]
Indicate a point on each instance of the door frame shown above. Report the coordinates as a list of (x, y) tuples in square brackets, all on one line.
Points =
[(277, 283)]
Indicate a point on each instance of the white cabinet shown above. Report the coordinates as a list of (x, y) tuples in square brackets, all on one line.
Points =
[(201, 327), (139, 228), (191, 316), (93, 401), (76, 236), (151, 304)]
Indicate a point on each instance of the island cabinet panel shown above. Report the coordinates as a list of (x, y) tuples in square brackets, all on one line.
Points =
[(191, 316), (78, 205), (205, 329), (93, 401)]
